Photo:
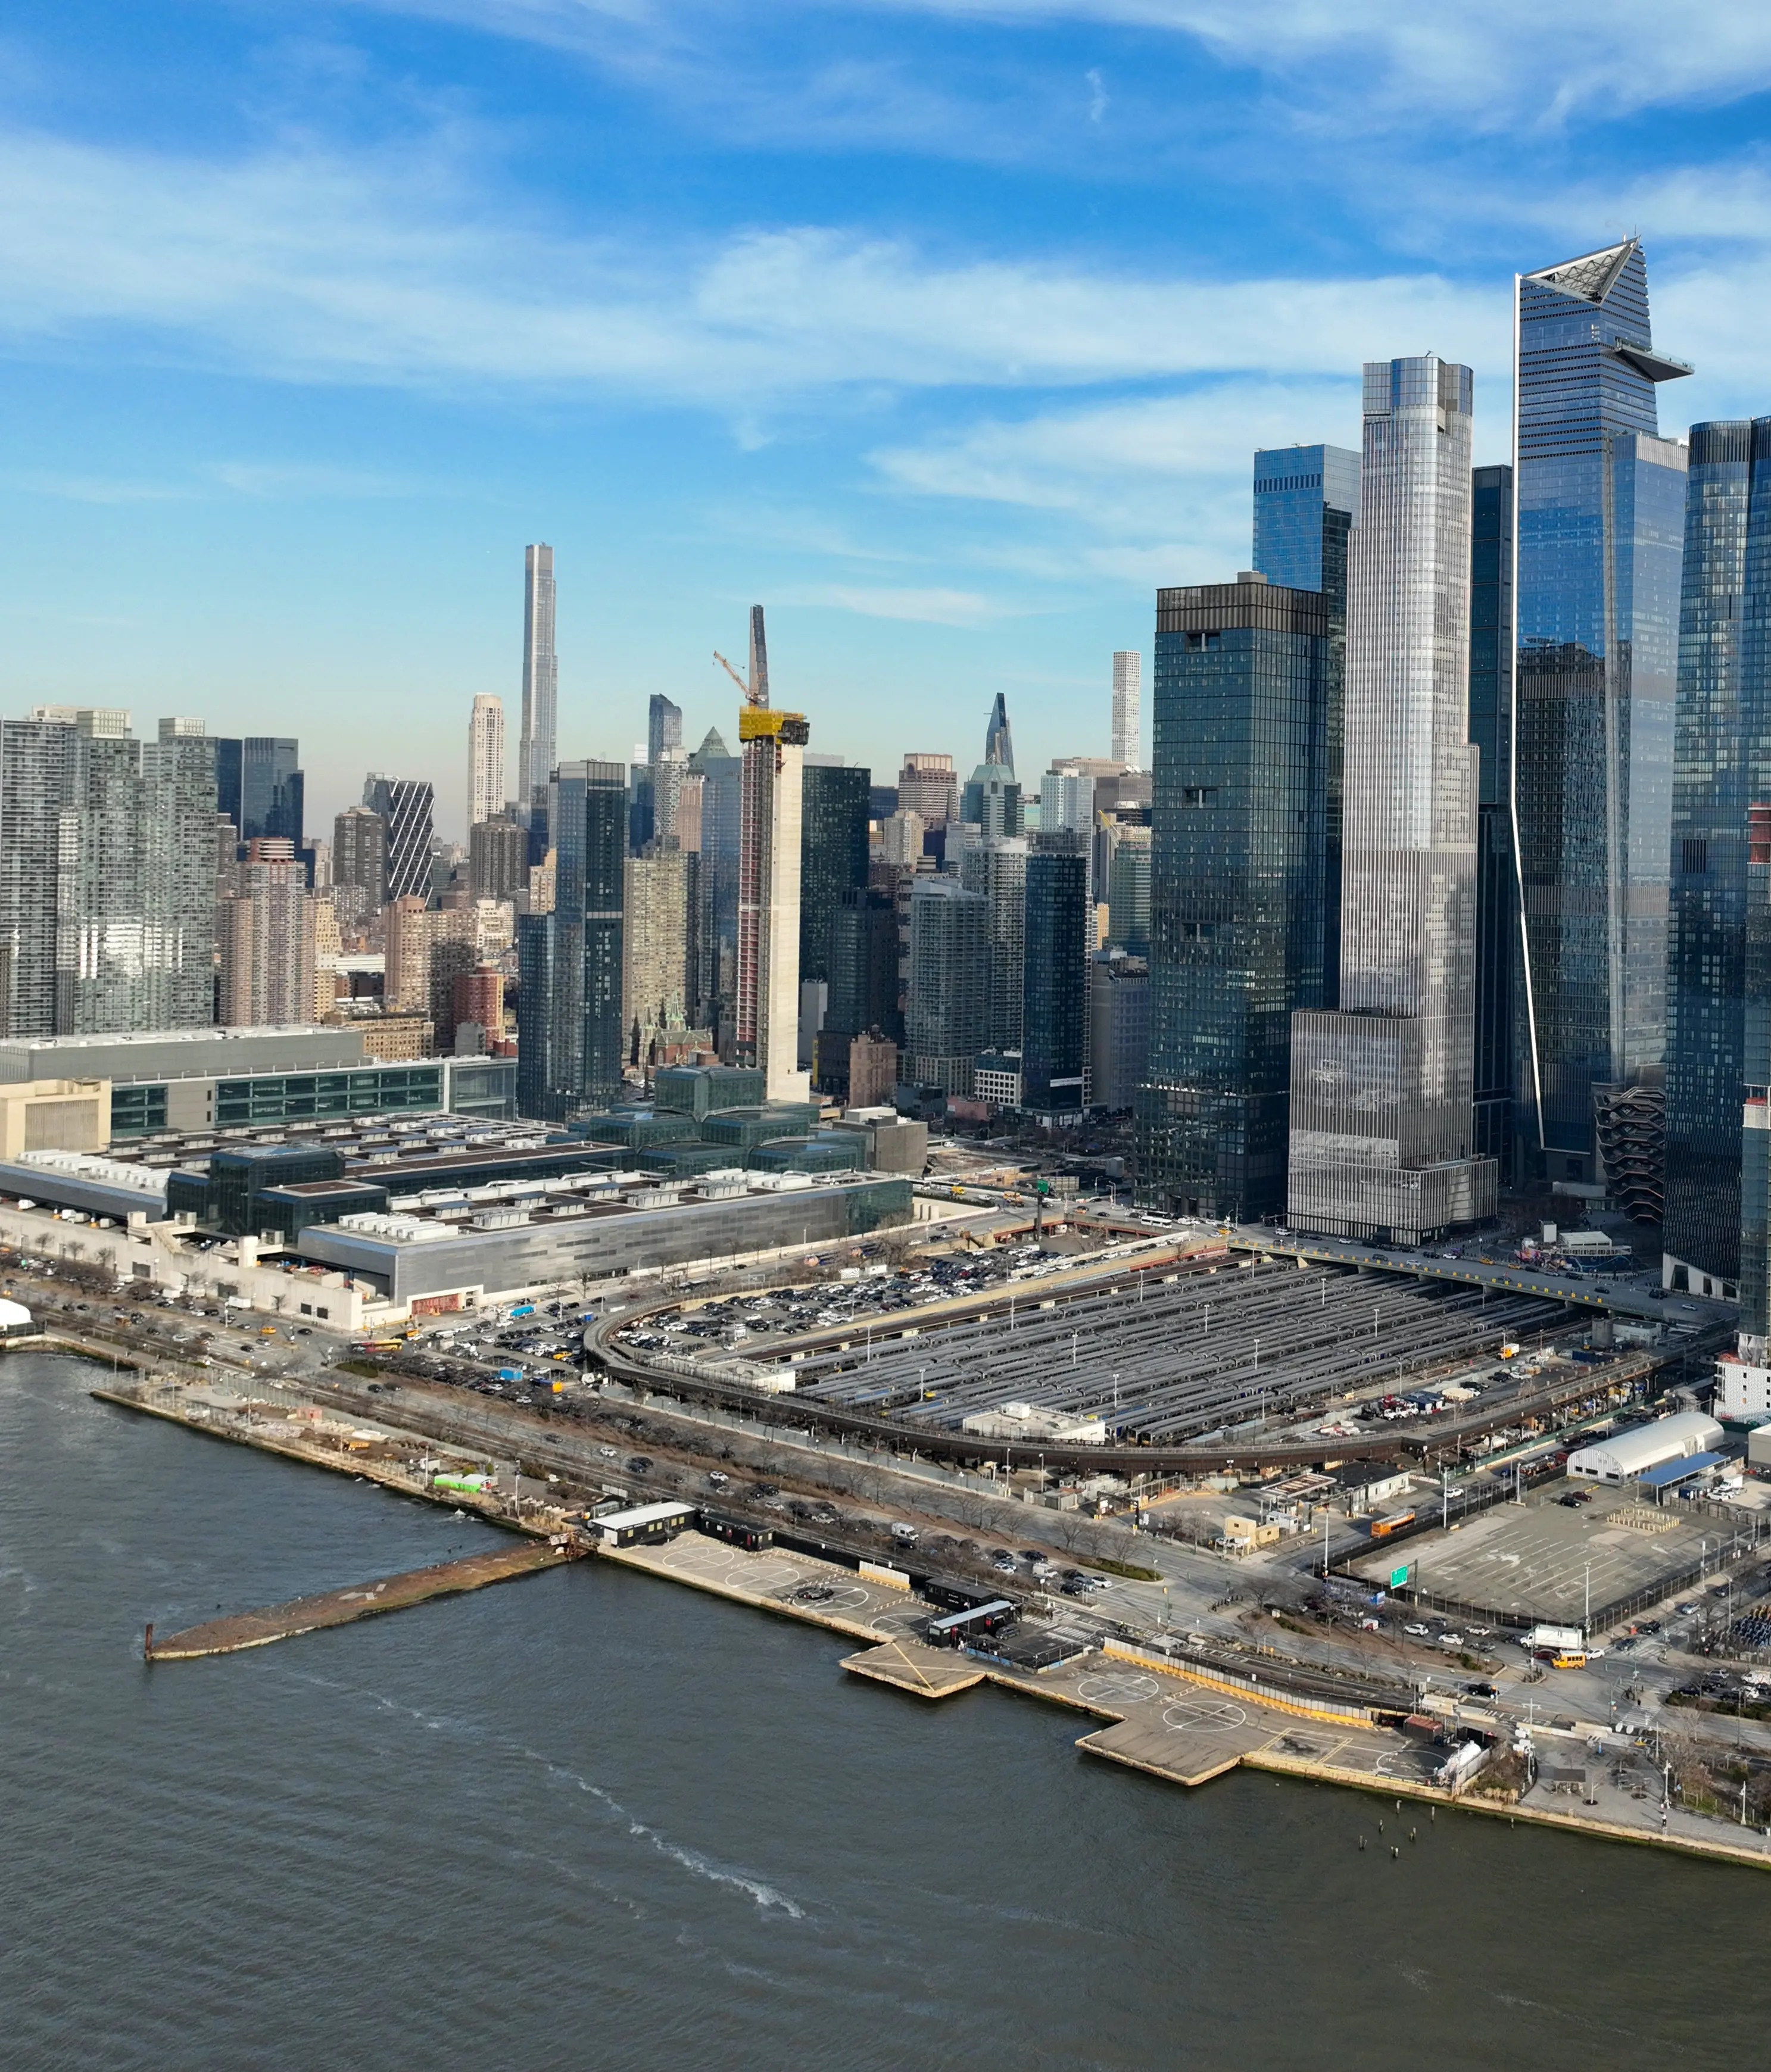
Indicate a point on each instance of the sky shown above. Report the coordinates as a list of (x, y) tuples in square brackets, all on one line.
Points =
[(945, 331)]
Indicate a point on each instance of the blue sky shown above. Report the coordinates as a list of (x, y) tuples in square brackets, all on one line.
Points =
[(945, 331)]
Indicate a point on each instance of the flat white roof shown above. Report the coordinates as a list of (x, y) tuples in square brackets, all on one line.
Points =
[(644, 1514)]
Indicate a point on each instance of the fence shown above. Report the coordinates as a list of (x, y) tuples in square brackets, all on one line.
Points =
[(1240, 1686)]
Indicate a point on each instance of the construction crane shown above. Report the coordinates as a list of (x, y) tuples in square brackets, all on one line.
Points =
[(750, 696)]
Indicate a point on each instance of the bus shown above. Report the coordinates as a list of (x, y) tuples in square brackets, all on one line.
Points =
[(954, 1629), (1383, 1527)]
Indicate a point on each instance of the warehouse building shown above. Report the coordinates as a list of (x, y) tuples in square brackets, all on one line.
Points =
[(1627, 1455)]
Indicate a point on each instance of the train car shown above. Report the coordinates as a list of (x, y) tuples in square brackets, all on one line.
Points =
[(1383, 1527)]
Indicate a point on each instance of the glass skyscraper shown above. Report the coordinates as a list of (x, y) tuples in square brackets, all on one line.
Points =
[(1056, 946), (1306, 503), (1721, 767), (1381, 1126), (1497, 882), (1238, 901), (833, 813), (569, 1027), (1600, 501), (1294, 486)]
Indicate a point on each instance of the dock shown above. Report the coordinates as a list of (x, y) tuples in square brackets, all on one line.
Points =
[(392, 1593)]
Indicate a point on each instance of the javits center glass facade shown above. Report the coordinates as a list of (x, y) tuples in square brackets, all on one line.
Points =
[(1239, 900), (1601, 509), (1721, 767)]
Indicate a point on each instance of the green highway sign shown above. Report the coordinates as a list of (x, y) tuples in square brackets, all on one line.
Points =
[(1398, 1577)]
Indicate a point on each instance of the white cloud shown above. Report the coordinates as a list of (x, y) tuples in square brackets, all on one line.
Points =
[(1512, 62), (1509, 64), (325, 266)]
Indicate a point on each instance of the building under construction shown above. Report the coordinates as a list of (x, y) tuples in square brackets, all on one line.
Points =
[(773, 745)]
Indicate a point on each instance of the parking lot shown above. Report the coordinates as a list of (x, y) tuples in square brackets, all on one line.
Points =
[(1541, 1561)]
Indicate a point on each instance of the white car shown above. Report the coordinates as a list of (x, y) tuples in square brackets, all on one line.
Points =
[(1450, 1640), (1419, 1632)]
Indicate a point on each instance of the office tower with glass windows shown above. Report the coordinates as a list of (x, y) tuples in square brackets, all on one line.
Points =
[(1721, 774), (1381, 1127), (538, 745), (945, 1016), (1237, 887), (1305, 504), (1498, 942), (1600, 515), (990, 802), (1119, 1029), (833, 853), (1128, 891), (1058, 943), (1297, 543), (570, 961), (404, 806), (485, 760), (1744, 1378), (260, 786), (863, 981), (774, 743), (998, 741), (37, 767), (1128, 708), (663, 727)]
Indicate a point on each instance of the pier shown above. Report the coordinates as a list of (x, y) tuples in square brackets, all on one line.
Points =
[(392, 1594)]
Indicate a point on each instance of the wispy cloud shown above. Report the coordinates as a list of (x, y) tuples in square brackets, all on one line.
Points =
[(313, 265), (932, 607), (210, 481)]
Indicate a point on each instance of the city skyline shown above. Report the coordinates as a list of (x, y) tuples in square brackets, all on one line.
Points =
[(945, 374)]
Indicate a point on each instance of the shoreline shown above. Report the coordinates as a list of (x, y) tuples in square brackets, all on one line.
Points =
[(1230, 1724)]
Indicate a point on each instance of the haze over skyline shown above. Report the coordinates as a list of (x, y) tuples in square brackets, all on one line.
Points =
[(948, 332)]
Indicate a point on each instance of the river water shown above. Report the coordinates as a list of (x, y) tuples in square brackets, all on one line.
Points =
[(591, 1820)]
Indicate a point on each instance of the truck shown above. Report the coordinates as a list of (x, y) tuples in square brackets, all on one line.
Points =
[(1568, 1639)]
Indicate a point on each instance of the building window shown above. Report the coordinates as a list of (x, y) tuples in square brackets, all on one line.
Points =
[(1199, 795), (1202, 640), (1694, 856)]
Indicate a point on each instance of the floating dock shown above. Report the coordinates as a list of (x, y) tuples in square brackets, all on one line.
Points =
[(392, 1593)]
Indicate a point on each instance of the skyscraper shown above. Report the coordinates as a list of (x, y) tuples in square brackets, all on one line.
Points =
[(1295, 489), (998, 743), (1600, 503), (663, 727), (260, 786), (570, 961), (1721, 771), (405, 804), (359, 865), (716, 890), (1236, 878), (538, 747), (485, 760), (769, 882), (655, 946), (1745, 1378), (107, 874), (1055, 977), (997, 870), (1127, 707), (1381, 1126), (1305, 504), (945, 1020), (497, 860), (833, 853), (1498, 952), (927, 785)]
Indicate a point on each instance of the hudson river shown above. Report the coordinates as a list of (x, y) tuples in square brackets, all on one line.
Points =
[(589, 1820)]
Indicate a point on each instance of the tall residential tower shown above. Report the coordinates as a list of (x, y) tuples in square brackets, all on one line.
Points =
[(769, 882), (485, 760), (537, 750)]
